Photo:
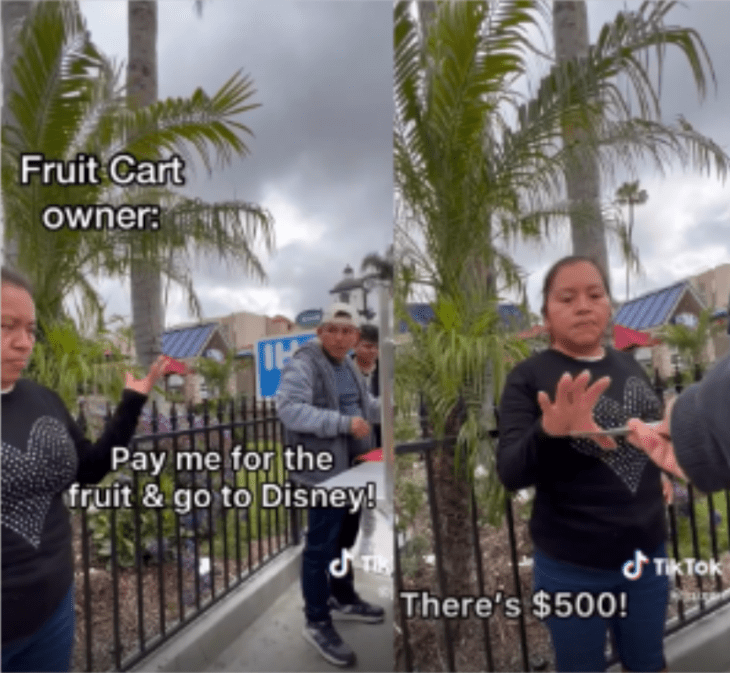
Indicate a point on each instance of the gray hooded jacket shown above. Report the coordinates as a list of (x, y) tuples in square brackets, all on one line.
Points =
[(700, 429), (307, 403)]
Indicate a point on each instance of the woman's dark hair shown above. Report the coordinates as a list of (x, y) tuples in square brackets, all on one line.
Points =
[(16, 279), (369, 333), (567, 261)]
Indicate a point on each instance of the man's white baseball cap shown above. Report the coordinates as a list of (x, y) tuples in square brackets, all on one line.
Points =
[(331, 315)]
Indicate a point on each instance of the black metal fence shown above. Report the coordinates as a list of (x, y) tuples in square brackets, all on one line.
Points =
[(411, 656), (144, 571)]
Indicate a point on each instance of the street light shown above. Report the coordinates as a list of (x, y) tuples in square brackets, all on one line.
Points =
[(349, 283), (367, 284)]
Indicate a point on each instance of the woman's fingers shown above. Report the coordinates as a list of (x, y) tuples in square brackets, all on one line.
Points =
[(596, 390), (564, 396), (639, 434), (157, 368), (573, 406), (146, 384), (605, 442), (580, 383)]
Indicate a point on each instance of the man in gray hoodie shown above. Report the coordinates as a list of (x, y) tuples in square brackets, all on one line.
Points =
[(324, 406)]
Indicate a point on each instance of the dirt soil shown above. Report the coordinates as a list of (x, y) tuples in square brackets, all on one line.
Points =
[(102, 602), (426, 637)]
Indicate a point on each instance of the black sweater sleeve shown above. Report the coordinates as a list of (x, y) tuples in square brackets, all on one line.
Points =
[(521, 437), (95, 458)]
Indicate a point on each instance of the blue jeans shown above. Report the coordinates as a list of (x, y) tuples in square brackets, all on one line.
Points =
[(580, 642), (330, 531), (50, 647)]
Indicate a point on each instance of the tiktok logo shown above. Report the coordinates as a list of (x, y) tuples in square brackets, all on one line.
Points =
[(339, 566), (632, 569)]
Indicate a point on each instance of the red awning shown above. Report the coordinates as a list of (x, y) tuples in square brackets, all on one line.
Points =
[(624, 337), (534, 331), (173, 366)]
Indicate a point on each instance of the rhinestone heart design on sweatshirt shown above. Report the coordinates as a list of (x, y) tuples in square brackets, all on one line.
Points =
[(32, 478), (627, 461)]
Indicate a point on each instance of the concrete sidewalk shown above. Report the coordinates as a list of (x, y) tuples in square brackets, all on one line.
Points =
[(258, 626), (274, 641)]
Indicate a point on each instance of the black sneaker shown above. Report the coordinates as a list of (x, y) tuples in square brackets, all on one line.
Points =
[(359, 611), (327, 641)]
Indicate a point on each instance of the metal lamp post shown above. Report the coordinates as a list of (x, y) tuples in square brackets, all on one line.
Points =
[(387, 399)]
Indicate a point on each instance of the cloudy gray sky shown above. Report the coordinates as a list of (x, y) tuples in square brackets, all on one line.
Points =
[(321, 158), (321, 155), (684, 228)]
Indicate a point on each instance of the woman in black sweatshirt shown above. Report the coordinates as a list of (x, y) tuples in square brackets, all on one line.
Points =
[(597, 501), (44, 452)]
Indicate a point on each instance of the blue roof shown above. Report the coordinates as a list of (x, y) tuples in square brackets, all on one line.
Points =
[(186, 342), (423, 314), (651, 310)]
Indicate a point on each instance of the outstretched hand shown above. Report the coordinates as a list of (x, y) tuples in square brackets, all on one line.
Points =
[(145, 385), (572, 410), (656, 442)]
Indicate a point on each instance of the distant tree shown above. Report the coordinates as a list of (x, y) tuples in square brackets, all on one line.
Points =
[(217, 374), (382, 265), (691, 342), (629, 194)]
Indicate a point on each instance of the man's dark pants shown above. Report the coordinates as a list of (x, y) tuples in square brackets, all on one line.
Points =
[(330, 531)]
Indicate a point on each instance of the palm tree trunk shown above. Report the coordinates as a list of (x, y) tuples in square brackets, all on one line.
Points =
[(631, 231), (570, 31), (146, 286)]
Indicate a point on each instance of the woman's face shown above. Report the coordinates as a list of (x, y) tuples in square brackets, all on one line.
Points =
[(578, 309), (18, 332)]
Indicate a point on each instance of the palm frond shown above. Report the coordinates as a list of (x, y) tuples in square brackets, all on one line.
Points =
[(70, 102)]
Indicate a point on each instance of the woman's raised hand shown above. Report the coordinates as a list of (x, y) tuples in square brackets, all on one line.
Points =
[(572, 410), (145, 385)]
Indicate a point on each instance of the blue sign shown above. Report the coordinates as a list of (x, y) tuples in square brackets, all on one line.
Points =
[(309, 318), (271, 356)]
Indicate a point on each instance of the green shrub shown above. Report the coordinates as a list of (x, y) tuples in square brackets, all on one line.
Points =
[(702, 520)]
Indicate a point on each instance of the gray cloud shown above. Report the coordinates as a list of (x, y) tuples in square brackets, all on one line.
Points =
[(322, 140)]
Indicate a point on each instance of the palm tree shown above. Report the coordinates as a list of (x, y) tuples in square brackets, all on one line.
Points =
[(14, 13), (447, 235), (471, 178), (69, 101), (691, 342), (217, 373), (630, 194), (383, 265)]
